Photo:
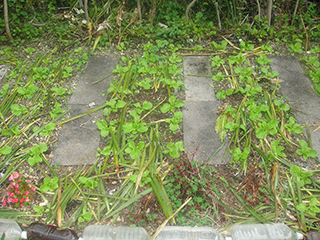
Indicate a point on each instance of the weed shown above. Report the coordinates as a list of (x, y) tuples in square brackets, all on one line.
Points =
[(188, 178)]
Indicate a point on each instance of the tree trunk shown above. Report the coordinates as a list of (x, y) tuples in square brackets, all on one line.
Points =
[(188, 9), (270, 3), (6, 20), (139, 11), (86, 10)]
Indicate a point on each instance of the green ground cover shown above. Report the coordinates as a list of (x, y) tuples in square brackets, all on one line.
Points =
[(142, 175)]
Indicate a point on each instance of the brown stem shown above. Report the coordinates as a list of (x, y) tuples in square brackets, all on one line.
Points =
[(295, 12), (139, 10), (218, 14), (188, 9), (6, 19), (259, 10), (86, 10), (270, 3), (305, 30)]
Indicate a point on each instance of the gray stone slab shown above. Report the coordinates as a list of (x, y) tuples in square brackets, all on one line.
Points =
[(198, 88), (76, 146), (79, 139), (296, 87), (87, 92), (199, 118), (199, 113), (3, 72)]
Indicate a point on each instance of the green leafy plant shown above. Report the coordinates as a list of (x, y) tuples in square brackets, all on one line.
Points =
[(145, 83), (240, 156), (312, 208), (85, 216), (293, 127), (114, 106), (217, 61), (265, 128), (145, 106), (35, 152), (172, 105), (304, 176), (145, 178), (135, 126), (222, 94), (276, 150), (296, 47), (17, 110), (90, 183), (174, 149), (59, 91), (174, 121), (135, 150), (28, 92), (5, 150), (49, 184), (56, 110), (104, 128), (305, 151), (47, 129)]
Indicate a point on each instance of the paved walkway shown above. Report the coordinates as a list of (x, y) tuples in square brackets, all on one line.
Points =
[(200, 113), (296, 87), (79, 139)]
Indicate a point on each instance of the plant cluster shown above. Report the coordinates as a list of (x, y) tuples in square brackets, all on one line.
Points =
[(135, 140), (262, 126), (20, 191), (188, 178)]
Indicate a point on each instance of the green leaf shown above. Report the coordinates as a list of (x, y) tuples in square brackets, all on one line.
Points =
[(261, 133), (43, 147), (103, 126), (5, 150), (147, 105), (165, 108), (295, 171), (121, 104), (220, 127), (17, 111), (302, 207), (34, 160)]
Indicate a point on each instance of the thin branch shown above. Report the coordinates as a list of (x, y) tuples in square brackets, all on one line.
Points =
[(259, 10), (295, 12), (188, 9), (218, 14)]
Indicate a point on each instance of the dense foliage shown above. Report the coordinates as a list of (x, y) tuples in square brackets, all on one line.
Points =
[(180, 19)]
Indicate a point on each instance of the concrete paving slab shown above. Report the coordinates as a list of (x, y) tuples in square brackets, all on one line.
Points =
[(199, 118), (3, 72), (199, 113), (198, 88), (86, 92), (79, 139), (296, 87)]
